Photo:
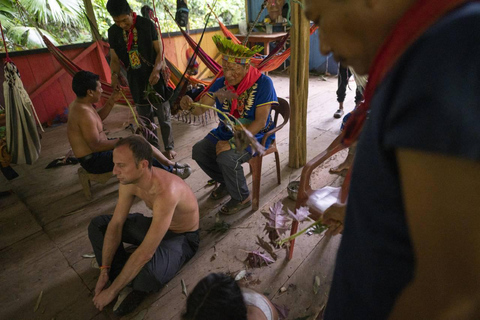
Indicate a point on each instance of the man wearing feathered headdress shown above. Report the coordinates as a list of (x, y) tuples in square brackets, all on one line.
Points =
[(246, 95)]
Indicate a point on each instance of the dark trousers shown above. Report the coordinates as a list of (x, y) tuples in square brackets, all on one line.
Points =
[(343, 75), (172, 253), (226, 168), (162, 111)]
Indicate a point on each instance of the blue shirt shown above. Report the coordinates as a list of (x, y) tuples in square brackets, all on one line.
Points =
[(430, 102), (260, 94)]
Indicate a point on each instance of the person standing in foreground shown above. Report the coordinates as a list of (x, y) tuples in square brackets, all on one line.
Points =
[(166, 241), (410, 246), (134, 42)]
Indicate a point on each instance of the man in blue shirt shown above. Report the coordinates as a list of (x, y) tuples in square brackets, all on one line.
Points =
[(252, 95)]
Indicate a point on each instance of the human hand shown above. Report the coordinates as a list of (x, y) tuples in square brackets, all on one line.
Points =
[(334, 217), (104, 298), (154, 77), (186, 103), (102, 281), (117, 93), (222, 146), (163, 64)]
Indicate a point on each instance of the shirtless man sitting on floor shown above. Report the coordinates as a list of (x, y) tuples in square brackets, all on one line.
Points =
[(87, 136), (166, 241)]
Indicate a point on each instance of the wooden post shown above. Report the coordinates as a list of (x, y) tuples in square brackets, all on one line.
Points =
[(300, 44), (93, 22)]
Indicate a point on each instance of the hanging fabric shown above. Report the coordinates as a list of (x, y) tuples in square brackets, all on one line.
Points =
[(23, 140)]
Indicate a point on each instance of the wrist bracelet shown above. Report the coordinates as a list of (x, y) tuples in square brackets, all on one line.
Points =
[(104, 267)]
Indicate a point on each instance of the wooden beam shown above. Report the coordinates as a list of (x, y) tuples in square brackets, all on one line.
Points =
[(92, 20), (300, 44)]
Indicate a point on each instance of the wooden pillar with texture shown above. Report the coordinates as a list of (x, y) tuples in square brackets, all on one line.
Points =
[(300, 44)]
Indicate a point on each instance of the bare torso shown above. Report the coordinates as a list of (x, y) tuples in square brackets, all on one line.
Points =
[(81, 119), (177, 193)]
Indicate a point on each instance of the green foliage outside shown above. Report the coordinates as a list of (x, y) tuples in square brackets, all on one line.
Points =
[(65, 22)]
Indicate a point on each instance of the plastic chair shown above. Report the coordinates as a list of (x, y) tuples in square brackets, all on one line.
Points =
[(283, 109), (305, 190)]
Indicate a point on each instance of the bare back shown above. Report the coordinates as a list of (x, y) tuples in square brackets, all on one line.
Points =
[(84, 129)]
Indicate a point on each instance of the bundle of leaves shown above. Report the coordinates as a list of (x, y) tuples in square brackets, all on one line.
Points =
[(147, 128), (279, 222), (242, 137), (228, 47), (152, 96), (256, 259), (219, 227)]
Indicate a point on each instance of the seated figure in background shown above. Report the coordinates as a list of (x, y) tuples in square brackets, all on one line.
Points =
[(86, 133), (253, 95)]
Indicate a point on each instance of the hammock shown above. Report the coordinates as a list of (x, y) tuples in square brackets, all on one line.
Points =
[(23, 141), (22, 138), (72, 69)]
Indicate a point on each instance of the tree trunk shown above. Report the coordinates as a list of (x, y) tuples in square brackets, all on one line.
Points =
[(300, 44), (93, 22)]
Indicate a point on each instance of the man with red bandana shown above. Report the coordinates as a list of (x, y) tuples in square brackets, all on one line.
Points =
[(253, 95), (410, 247), (134, 42)]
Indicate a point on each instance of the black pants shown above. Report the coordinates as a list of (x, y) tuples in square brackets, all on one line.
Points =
[(172, 253), (343, 75), (162, 111)]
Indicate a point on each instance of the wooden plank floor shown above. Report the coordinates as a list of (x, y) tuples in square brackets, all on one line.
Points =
[(43, 226)]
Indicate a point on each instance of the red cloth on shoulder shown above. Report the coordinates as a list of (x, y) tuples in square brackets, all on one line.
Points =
[(130, 32), (250, 78)]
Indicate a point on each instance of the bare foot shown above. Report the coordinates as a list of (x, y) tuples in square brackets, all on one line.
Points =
[(339, 169), (344, 166), (170, 154)]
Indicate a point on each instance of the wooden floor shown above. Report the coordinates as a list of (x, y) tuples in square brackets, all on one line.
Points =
[(43, 227)]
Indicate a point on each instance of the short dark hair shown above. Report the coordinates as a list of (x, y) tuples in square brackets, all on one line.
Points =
[(84, 81), (145, 11), (216, 297), (118, 7), (141, 149)]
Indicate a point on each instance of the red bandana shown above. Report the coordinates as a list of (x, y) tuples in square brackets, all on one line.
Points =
[(247, 82), (422, 15), (130, 32)]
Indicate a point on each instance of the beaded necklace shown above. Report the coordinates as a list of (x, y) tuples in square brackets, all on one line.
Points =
[(133, 54)]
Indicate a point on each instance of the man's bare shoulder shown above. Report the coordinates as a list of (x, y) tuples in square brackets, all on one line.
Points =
[(171, 186), (80, 112), (127, 190)]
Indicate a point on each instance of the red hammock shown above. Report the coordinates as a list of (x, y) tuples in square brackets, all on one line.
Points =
[(72, 69)]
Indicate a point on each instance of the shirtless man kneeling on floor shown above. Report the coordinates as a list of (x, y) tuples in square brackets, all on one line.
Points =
[(166, 241), (87, 136)]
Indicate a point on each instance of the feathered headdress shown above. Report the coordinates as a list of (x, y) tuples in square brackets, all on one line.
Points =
[(233, 52)]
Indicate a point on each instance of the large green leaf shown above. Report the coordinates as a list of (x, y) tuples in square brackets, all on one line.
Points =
[(29, 37), (65, 12)]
